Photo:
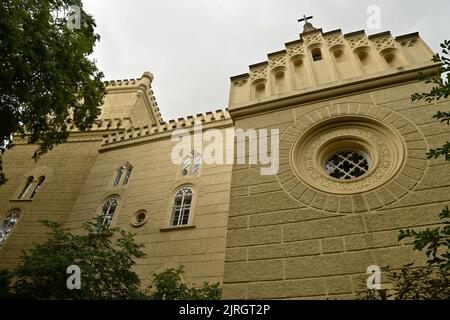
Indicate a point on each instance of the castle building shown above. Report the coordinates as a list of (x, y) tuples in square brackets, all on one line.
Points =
[(351, 172)]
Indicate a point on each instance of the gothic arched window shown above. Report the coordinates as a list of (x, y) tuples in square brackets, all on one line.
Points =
[(127, 174), (196, 162), (8, 225), (27, 187), (38, 186), (185, 165), (191, 163), (181, 207), (123, 174), (108, 210)]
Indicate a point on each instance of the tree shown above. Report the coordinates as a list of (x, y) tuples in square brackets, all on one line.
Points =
[(47, 82), (168, 285), (5, 283), (440, 90), (429, 282), (105, 258)]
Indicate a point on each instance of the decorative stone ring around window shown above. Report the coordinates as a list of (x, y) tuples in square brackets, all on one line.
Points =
[(139, 218)]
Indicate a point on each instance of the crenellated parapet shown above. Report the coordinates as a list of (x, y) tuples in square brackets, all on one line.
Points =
[(318, 60), (216, 119), (132, 98)]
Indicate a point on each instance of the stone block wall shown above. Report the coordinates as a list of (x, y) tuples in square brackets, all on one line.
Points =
[(286, 241)]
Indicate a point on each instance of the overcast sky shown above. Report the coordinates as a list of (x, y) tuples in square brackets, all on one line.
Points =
[(193, 46)]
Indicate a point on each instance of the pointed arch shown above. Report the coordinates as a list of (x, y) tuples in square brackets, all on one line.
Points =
[(123, 174), (8, 225)]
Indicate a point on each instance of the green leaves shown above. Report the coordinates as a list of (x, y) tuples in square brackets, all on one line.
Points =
[(440, 79), (436, 241), (429, 282), (105, 259), (46, 78), (169, 285), (439, 91), (433, 280)]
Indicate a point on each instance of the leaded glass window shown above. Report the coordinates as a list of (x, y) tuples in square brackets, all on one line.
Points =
[(191, 163), (108, 210), (8, 225), (123, 175)]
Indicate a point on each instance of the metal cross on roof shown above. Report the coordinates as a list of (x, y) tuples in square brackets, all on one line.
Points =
[(305, 18)]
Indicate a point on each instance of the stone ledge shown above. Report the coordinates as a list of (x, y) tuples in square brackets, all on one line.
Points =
[(177, 228)]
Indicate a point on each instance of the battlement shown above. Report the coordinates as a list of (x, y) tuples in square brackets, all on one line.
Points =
[(132, 98), (208, 120), (107, 124), (319, 60)]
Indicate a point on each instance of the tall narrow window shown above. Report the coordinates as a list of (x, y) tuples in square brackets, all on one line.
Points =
[(118, 176), (191, 163), (123, 175), (26, 187), (197, 162), (108, 210), (185, 165), (127, 174), (38, 186), (182, 207), (8, 225)]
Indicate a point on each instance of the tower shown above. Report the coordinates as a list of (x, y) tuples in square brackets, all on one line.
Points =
[(352, 172)]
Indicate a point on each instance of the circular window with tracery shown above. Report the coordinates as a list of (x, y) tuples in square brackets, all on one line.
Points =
[(347, 156), (347, 165), (350, 157), (139, 218)]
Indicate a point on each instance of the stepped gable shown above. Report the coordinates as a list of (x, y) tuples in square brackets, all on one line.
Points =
[(319, 60)]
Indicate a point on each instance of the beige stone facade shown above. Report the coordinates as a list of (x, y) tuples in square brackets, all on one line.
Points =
[(299, 233)]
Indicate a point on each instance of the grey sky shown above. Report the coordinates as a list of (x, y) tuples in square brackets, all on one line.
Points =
[(193, 46)]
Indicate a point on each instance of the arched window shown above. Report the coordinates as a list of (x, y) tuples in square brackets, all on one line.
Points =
[(392, 57), (316, 54), (118, 176), (27, 187), (185, 165), (191, 163), (181, 207), (127, 174), (259, 89), (8, 225), (364, 57), (123, 174), (38, 186), (108, 210), (196, 163)]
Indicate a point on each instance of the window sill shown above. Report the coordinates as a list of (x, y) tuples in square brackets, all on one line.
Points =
[(177, 228)]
